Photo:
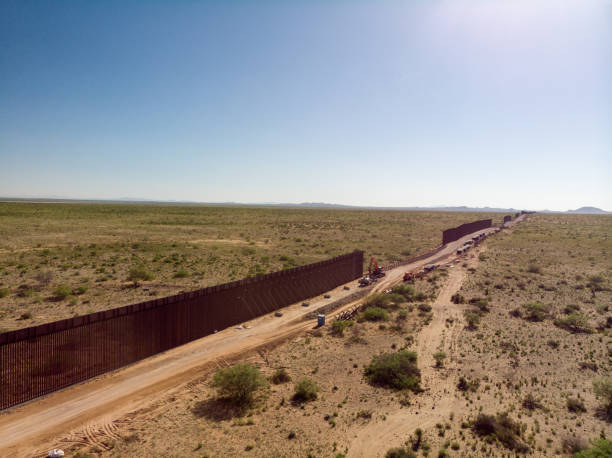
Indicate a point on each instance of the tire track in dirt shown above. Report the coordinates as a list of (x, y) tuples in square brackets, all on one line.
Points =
[(440, 398)]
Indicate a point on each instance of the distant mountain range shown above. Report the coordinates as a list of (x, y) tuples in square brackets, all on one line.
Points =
[(589, 210), (322, 205)]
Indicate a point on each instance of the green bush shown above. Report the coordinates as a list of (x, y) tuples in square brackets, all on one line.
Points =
[(534, 269), (439, 357), (575, 405), (395, 370), (181, 274), (457, 299), (374, 314), (396, 298), (80, 290), (535, 311), (406, 291), (399, 452), (305, 390), (139, 273), (378, 300), (4, 292), (338, 327), (575, 323), (472, 318), (467, 385), (502, 428), (61, 292), (603, 390), (280, 376), (424, 308), (601, 448), (238, 383)]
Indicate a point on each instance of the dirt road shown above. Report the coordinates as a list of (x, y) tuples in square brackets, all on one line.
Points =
[(27, 429), (441, 334)]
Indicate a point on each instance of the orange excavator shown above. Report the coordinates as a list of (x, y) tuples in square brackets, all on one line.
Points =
[(373, 270), (374, 273)]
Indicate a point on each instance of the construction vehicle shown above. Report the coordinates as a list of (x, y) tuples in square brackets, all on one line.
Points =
[(374, 271)]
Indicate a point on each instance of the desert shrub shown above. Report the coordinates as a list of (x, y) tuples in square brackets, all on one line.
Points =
[(473, 319), (139, 273), (61, 292), (516, 313), (305, 390), (533, 268), (402, 315), (396, 298), (483, 305), (365, 414), (338, 327), (4, 292), (572, 445), (181, 274), (571, 309), (603, 390), (531, 402), (439, 357), (502, 428), (553, 343), (44, 277), (575, 323), (378, 300), (238, 383), (420, 296), (399, 452), (424, 308), (595, 282), (535, 311), (457, 299), (80, 290), (467, 385), (588, 365), (26, 315), (600, 449), (575, 405), (374, 314), (394, 370), (280, 376), (406, 291)]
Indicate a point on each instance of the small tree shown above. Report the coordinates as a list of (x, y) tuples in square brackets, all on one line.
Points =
[(305, 390), (238, 383), (395, 370), (603, 390), (439, 357), (62, 292), (139, 273)]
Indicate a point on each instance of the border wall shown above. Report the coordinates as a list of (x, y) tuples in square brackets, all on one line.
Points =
[(455, 233), (41, 359)]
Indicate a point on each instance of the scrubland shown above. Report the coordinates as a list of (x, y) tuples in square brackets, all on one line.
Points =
[(495, 374), (59, 260)]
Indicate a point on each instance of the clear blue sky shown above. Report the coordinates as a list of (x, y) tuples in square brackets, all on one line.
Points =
[(499, 103)]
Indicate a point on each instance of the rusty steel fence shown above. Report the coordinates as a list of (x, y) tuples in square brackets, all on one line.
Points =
[(41, 359), (405, 262), (455, 233)]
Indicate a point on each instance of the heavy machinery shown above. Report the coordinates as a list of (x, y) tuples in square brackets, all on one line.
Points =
[(373, 270), (374, 273)]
